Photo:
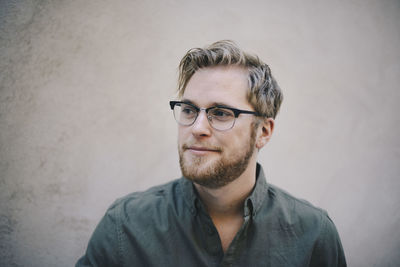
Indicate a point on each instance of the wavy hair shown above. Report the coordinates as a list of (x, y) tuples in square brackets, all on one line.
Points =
[(264, 94)]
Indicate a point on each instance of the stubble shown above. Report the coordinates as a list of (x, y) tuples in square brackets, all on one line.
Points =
[(221, 172)]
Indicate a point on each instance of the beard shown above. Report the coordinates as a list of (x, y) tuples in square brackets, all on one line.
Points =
[(220, 172)]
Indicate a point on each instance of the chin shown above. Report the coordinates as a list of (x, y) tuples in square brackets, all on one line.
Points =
[(212, 174), (197, 165), (215, 170)]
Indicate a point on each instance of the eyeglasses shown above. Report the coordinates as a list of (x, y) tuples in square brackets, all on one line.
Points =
[(220, 118)]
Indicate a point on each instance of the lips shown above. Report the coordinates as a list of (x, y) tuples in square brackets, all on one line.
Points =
[(194, 148), (200, 148)]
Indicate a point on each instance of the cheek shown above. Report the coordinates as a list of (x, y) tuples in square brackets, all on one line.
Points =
[(182, 134), (233, 144), (239, 139), (228, 142)]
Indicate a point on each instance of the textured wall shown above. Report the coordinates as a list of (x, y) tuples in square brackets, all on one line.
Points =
[(84, 117)]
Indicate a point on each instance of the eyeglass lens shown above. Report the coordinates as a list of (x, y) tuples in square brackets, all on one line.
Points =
[(219, 118)]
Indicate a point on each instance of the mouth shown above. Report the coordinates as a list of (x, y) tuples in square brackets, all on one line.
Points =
[(201, 150)]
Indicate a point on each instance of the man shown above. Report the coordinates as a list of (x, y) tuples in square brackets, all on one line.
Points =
[(222, 212)]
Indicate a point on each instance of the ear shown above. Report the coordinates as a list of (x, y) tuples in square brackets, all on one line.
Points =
[(264, 130)]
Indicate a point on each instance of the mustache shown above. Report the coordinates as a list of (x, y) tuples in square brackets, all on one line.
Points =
[(204, 146)]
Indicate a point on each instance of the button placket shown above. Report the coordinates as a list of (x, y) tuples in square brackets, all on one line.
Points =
[(210, 230)]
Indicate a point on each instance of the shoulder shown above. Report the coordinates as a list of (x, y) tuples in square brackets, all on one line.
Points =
[(292, 212), (151, 194), (155, 201), (132, 214), (289, 216)]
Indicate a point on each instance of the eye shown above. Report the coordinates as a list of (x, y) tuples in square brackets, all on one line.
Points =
[(187, 110), (222, 114)]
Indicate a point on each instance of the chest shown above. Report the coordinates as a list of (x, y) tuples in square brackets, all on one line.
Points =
[(198, 241), (227, 230)]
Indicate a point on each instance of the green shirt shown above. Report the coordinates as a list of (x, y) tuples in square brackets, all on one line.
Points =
[(168, 226)]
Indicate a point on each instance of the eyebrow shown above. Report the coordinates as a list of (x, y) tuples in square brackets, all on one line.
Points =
[(187, 101), (214, 104)]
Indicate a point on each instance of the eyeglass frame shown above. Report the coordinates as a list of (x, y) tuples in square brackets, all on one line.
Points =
[(235, 111)]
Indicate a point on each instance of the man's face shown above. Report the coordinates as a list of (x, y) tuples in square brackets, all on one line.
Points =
[(207, 156)]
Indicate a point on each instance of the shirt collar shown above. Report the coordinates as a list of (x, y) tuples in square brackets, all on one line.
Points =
[(256, 198), (189, 194), (252, 203)]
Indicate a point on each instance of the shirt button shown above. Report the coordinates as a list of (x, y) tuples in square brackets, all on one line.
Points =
[(210, 231)]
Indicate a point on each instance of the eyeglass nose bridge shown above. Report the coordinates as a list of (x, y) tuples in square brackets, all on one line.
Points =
[(209, 117)]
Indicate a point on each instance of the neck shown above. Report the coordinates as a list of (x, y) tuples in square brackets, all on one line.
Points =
[(228, 200)]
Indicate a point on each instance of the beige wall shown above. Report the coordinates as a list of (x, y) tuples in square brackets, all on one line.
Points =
[(84, 115)]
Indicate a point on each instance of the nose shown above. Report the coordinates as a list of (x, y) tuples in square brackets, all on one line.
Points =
[(201, 127)]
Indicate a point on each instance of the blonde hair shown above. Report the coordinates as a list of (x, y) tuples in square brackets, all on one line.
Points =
[(264, 94)]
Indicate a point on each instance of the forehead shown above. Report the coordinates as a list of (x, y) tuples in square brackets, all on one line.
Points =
[(220, 84)]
